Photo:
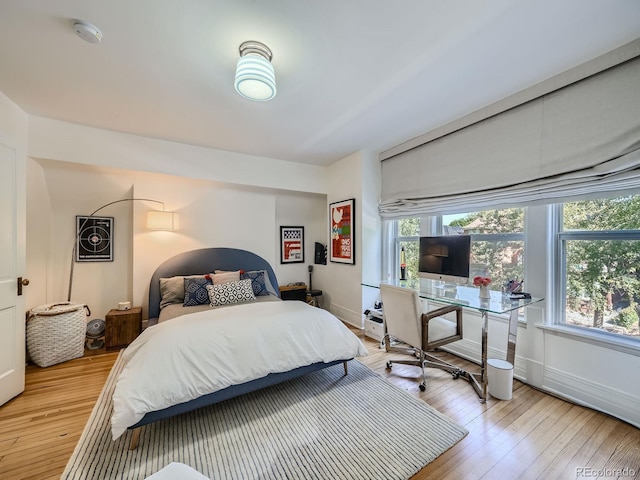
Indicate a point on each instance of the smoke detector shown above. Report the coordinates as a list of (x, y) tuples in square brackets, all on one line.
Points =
[(88, 32)]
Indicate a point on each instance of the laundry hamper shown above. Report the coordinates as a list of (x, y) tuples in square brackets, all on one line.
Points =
[(56, 333)]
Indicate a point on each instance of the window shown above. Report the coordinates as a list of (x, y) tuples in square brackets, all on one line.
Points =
[(407, 245), (599, 245), (497, 242)]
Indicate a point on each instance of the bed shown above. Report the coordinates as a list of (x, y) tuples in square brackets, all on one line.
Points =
[(207, 353)]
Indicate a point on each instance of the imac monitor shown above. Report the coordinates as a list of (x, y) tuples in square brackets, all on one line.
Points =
[(445, 258)]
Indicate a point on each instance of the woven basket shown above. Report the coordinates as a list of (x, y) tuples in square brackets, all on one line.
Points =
[(56, 333)]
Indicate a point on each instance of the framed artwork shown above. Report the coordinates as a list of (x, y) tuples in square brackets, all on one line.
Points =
[(94, 239), (342, 219), (291, 244)]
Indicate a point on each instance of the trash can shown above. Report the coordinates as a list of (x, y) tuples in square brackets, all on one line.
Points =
[(500, 378)]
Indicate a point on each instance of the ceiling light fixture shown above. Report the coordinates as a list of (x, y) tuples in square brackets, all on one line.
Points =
[(88, 32), (255, 77)]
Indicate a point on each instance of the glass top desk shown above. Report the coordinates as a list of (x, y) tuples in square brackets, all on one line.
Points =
[(468, 297)]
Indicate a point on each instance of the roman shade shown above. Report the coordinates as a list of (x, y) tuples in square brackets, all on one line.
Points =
[(581, 139)]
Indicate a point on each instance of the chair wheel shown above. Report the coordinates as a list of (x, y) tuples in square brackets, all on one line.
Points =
[(388, 365), (456, 375), (423, 387)]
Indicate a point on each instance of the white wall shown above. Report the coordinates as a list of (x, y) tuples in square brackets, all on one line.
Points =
[(39, 237), (223, 198), (345, 293), (211, 214), (356, 176), (68, 142), (308, 211)]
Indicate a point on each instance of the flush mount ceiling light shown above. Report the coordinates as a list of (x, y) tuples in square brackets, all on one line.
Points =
[(88, 32), (255, 77)]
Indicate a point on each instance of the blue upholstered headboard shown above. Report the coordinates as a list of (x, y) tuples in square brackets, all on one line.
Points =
[(201, 262)]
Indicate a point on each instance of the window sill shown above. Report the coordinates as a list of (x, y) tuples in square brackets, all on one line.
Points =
[(613, 342)]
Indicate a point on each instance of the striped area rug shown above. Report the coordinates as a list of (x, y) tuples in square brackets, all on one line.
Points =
[(321, 426)]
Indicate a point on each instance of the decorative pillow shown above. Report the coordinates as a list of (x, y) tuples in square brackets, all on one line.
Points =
[(172, 289), (195, 291), (226, 277), (267, 282), (230, 292), (257, 282)]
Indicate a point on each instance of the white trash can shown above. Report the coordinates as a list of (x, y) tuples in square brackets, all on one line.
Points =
[(500, 378)]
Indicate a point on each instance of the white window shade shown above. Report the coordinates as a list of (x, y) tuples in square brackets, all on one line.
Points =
[(580, 139)]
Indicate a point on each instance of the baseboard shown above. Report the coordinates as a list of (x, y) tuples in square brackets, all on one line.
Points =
[(355, 319), (562, 384), (470, 350), (575, 389), (593, 395)]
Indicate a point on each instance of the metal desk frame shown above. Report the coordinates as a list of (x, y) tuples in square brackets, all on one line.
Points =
[(468, 297)]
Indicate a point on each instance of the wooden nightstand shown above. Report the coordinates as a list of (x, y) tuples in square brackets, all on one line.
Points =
[(293, 292), (122, 327)]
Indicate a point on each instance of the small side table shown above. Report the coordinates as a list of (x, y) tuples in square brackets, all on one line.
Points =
[(293, 292), (122, 327)]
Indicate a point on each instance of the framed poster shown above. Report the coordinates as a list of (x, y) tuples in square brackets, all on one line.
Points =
[(94, 239), (342, 219), (291, 244)]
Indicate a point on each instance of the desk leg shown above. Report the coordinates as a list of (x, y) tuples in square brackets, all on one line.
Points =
[(513, 334), (481, 386), (483, 366)]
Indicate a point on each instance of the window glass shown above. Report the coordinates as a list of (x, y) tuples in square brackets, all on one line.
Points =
[(497, 242), (409, 227), (600, 247), (508, 220), (407, 248), (621, 213)]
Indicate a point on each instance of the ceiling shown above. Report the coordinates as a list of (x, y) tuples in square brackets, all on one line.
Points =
[(352, 74)]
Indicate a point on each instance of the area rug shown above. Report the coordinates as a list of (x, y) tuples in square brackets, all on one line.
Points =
[(324, 425)]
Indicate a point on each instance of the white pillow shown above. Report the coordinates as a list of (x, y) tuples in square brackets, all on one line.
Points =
[(223, 277), (230, 292)]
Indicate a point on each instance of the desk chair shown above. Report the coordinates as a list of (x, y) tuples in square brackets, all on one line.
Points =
[(406, 322)]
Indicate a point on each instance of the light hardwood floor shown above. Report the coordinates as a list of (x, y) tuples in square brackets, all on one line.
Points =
[(532, 436)]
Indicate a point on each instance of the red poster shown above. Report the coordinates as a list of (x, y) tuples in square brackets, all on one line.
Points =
[(342, 216)]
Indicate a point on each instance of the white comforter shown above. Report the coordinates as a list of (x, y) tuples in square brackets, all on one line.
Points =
[(203, 352)]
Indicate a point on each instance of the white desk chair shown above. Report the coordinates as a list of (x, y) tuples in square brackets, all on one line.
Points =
[(406, 322)]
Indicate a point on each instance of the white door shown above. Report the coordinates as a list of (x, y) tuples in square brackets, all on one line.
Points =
[(12, 317)]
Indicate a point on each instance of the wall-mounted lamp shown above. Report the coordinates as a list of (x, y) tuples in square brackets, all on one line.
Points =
[(156, 220), (161, 220), (255, 77)]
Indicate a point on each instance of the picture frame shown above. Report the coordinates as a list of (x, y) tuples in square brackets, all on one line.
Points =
[(94, 239), (291, 244), (342, 244)]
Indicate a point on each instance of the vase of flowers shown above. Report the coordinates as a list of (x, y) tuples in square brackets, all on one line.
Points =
[(483, 283)]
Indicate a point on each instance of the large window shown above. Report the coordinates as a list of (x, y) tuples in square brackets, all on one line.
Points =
[(497, 242), (599, 246)]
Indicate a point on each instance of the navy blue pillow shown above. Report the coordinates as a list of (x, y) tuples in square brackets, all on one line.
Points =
[(257, 282), (195, 291)]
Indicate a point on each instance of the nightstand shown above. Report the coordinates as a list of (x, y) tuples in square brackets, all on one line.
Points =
[(293, 292), (122, 327)]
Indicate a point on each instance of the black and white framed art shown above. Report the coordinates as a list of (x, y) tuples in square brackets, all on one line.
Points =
[(94, 239)]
